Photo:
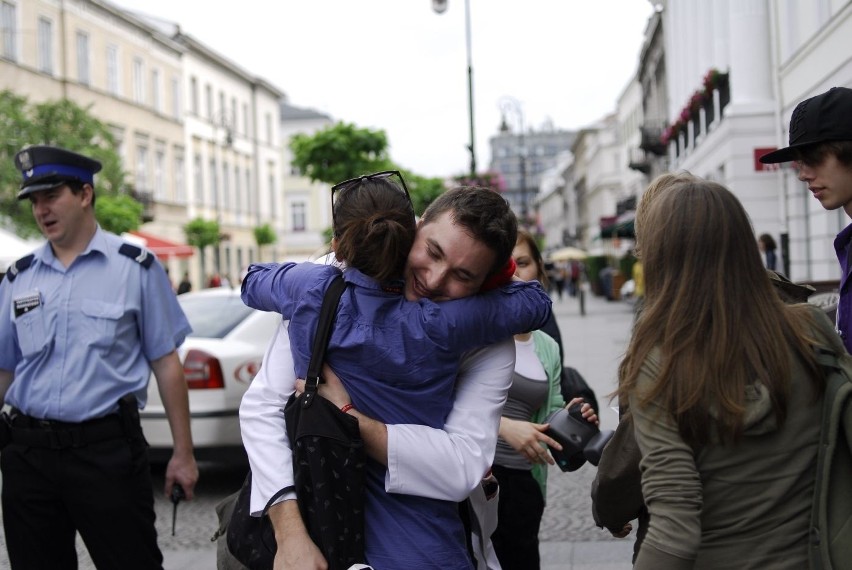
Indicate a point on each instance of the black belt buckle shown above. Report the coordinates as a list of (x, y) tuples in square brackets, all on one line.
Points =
[(65, 438)]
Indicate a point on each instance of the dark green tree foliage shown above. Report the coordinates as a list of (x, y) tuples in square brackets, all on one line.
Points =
[(343, 151), (118, 213), (201, 233), (423, 190), (264, 235), (61, 123), (339, 152)]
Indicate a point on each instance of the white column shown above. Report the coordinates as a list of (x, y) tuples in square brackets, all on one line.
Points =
[(750, 54)]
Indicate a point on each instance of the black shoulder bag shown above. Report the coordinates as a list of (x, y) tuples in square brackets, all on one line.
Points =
[(328, 465)]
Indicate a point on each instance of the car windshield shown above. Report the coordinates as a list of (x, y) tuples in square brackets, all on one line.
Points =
[(213, 316)]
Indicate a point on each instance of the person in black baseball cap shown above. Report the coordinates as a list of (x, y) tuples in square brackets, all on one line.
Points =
[(46, 167), (821, 146), (821, 119)]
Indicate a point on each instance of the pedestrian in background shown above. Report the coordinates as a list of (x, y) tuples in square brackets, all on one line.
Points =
[(560, 273), (767, 247), (723, 390), (84, 321), (821, 145), (185, 286), (522, 457)]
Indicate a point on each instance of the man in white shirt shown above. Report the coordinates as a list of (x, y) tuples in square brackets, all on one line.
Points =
[(465, 237)]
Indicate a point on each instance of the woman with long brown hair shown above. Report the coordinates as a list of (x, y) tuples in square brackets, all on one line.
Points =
[(723, 389)]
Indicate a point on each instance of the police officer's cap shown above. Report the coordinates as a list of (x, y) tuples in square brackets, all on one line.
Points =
[(46, 167)]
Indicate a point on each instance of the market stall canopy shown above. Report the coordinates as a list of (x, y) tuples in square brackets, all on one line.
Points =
[(567, 254), (622, 227), (162, 248)]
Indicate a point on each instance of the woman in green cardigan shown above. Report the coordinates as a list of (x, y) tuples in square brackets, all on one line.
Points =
[(521, 460)]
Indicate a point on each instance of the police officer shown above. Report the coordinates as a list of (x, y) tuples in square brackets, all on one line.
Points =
[(83, 321)]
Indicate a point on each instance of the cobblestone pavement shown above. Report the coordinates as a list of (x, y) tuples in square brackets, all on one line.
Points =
[(594, 345)]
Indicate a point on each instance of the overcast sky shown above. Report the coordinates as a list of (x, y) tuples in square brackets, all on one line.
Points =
[(396, 65)]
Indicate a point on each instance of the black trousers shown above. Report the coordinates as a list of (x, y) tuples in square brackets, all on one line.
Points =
[(518, 519), (102, 490)]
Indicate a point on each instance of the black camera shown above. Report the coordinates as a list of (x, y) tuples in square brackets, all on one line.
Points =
[(581, 441)]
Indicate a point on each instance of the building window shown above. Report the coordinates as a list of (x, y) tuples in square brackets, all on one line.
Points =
[(214, 184), (45, 46), (159, 174), (112, 69), (9, 30), (233, 124), (249, 202), (156, 101), (83, 72), (193, 95), (138, 80), (198, 180), (223, 116), (208, 96), (142, 169), (238, 199), (273, 198), (176, 106), (180, 181), (299, 215), (226, 187), (118, 139), (246, 123), (268, 128)]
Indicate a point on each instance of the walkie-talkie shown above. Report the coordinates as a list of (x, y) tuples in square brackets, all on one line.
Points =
[(177, 496)]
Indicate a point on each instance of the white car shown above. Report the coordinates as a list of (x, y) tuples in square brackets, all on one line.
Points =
[(220, 358)]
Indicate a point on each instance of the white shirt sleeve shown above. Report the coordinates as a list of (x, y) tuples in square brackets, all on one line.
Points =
[(262, 422), (262, 425), (442, 464), (447, 464)]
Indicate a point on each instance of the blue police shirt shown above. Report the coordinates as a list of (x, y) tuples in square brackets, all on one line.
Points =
[(79, 338)]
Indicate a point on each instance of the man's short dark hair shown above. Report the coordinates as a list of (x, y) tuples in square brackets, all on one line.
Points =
[(485, 214), (813, 155), (77, 187)]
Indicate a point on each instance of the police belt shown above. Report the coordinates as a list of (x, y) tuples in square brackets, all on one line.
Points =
[(53, 434)]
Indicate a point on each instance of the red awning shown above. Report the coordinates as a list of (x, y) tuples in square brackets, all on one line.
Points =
[(162, 248)]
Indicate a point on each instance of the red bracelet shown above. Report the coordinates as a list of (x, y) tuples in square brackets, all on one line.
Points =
[(346, 408)]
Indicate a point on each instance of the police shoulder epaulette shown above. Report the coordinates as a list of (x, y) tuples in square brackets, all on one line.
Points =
[(20, 265), (138, 254)]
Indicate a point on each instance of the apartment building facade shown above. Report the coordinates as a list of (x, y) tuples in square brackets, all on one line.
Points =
[(198, 135), (734, 72), (307, 204)]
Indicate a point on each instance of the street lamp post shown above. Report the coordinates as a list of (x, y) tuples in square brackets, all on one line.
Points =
[(509, 104), (440, 6)]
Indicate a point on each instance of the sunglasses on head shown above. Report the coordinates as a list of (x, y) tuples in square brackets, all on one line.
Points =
[(353, 183)]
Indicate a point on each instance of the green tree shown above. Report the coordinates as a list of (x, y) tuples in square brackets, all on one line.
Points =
[(61, 123), (423, 190), (264, 235), (343, 151), (118, 213), (201, 233), (339, 152)]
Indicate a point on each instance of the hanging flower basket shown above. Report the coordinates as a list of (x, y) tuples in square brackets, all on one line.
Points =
[(713, 79)]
